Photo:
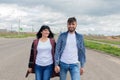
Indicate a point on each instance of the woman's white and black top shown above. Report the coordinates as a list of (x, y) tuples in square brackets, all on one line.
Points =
[(44, 56)]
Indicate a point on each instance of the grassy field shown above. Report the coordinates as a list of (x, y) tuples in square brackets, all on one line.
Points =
[(113, 50), (103, 47), (105, 39), (16, 35)]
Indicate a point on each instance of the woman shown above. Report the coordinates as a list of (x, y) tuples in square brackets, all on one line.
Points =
[(42, 52)]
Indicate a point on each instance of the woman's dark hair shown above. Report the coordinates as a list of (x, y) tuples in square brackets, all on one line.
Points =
[(43, 27)]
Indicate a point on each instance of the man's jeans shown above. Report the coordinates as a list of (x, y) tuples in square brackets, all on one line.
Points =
[(74, 70), (43, 72)]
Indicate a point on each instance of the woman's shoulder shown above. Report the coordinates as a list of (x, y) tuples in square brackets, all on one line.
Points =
[(52, 39), (35, 41)]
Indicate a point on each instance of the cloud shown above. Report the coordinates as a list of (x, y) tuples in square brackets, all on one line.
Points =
[(93, 16), (37, 15), (70, 7)]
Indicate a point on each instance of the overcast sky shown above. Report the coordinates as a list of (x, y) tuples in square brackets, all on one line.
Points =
[(93, 16)]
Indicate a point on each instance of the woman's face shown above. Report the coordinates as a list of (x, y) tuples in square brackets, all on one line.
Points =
[(45, 33)]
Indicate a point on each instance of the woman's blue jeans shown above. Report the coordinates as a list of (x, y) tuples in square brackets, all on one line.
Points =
[(74, 70), (43, 72)]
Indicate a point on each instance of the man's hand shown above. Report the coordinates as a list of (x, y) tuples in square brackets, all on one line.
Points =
[(57, 69), (81, 71)]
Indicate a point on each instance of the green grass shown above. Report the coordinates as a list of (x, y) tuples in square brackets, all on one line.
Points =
[(106, 41), (103, 47), (16, 35)]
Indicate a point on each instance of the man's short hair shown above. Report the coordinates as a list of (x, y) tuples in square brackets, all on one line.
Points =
[(71, 20)]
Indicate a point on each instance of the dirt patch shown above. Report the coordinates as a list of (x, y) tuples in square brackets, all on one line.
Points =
[(113, 38)]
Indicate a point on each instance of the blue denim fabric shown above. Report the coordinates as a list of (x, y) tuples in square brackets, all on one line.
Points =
[(43, 72), (60, 46), (74, 70)]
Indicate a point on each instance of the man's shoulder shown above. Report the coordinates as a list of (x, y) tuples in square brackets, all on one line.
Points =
[(63, 33), (78, 34)]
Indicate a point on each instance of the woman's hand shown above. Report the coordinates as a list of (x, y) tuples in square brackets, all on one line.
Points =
[(30, 70), (57, 69)]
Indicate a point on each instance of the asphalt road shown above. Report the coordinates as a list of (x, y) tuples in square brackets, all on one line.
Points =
[(14, 56)]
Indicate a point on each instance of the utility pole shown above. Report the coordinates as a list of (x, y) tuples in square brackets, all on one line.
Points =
[(19, 26), (11, 27)]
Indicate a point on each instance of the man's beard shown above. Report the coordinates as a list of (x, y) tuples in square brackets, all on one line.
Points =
[(71, 29)]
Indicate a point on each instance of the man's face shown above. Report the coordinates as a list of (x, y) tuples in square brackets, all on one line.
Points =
[(71, 26)]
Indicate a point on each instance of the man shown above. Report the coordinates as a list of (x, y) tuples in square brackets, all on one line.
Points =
[(70, 52)]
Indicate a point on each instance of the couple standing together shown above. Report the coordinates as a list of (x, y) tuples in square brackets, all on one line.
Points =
[(68, 54)]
